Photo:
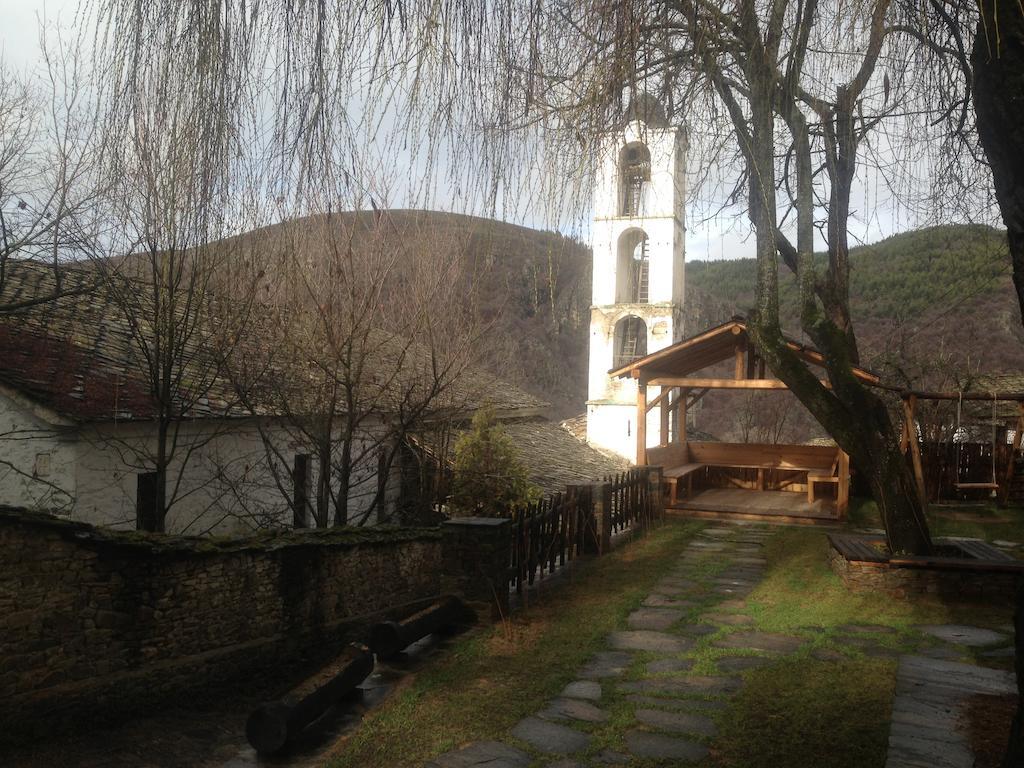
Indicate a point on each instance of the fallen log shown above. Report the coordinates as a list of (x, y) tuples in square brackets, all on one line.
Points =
[(390, 637), (272, 724)]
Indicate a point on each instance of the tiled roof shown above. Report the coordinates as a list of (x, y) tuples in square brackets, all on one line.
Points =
[(77, 356), (555, 459)]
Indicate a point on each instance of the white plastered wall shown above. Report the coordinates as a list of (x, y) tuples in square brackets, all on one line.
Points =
[(229, 485)]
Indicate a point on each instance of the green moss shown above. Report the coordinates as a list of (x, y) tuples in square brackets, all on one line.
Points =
[(156, 543)]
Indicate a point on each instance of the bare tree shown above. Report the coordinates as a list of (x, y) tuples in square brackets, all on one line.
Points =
[(369, 336), (172, 192), (49, 185)]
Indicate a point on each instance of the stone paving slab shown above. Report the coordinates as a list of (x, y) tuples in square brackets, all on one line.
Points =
[(965, 678), (909, 710), (694, 685), (550, 737), (696, 629), (695, 705), (582, 689), (662, 666), (926, 725), (607, 664), (665, 601), (732, 619), (654, 618), (492, 754), (677, 722), (573, 709), (741, 663), (658, 747), (610, 757), (645, 640), (961, 634), (760, 641)]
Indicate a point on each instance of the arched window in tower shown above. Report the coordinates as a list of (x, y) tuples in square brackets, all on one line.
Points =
[(630, 340), (634, 172), (632, 268)]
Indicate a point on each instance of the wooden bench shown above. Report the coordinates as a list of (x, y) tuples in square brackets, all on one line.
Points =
[(675, 474), (816, 476)]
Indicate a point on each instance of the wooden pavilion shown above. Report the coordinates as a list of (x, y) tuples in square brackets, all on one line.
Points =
[(789, 483)]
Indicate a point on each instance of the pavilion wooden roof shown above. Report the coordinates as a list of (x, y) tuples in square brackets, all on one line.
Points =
[(728, 341)]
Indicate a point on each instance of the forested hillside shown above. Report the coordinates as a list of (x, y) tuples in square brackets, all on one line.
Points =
[(937, 296)]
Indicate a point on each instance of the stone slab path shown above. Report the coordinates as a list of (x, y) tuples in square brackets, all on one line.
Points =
[(646, 673), (927, 729)]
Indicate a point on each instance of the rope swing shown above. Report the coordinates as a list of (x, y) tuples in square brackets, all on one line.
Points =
[(992, 486)]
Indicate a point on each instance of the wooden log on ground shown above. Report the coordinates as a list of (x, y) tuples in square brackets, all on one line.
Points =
[(275, 723), (390, 637)]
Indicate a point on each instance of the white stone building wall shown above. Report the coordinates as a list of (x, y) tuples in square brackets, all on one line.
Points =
[(228, 485)]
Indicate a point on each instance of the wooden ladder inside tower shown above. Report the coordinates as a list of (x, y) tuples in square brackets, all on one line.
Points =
[(630, 343), (642, 275)]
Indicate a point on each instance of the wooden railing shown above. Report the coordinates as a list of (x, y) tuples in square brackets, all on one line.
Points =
[(558, 529), (631, 501), (548, 534)]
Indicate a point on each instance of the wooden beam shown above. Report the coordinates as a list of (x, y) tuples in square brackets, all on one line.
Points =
[(696, 398), (659, 399), (681, 414), (909, 408), (664, 416), (738, 355), (989, 396), (641, 424), (671, 381)]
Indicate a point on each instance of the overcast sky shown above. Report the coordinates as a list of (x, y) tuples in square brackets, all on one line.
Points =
[(723, 238)]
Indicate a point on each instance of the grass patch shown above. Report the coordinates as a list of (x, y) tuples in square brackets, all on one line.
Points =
[(983, 520), (496, 675), (802, 712)]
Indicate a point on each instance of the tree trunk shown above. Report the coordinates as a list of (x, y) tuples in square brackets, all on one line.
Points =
[(859, 422), (1015, 751), (159, 510), (998, 62)]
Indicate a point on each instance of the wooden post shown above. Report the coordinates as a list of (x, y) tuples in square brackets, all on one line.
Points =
[(1012, 462), (664, 417), (681, 410), (909, 407), (843, 492), (602, 496), (740, 362), (641, 422)]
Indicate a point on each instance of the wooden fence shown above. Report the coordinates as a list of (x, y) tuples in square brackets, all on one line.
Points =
[(631, 501), (548, 534), (559, 528), (946, 464)]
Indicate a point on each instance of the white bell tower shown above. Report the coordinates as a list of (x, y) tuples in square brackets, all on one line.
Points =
[(637, 242)]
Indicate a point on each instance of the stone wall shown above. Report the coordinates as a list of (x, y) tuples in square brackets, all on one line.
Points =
[(909, 581), (96, 623)]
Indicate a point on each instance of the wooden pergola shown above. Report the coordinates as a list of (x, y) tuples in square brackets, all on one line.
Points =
[(680, 372)]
